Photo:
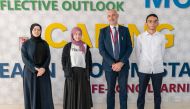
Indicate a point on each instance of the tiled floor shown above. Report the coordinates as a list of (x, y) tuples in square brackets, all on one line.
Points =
[(100, 106)]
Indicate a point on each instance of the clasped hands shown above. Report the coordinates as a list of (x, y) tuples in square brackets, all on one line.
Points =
[(116, 67), (40, 71)]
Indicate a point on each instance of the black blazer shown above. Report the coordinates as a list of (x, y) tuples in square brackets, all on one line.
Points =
[(106, 50), (66, 61)]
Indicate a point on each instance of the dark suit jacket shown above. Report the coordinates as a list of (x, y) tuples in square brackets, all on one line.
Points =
[(106, 49)]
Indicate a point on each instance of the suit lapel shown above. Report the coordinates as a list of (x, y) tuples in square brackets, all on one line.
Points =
[(109, 41), (120, 39)]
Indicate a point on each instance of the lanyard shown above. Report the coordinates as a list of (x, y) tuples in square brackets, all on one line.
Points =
[(114, 39)]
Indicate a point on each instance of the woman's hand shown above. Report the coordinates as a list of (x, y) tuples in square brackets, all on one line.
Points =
[(40, 72)]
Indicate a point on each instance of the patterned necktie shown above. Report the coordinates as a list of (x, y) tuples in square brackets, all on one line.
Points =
[(116, 44)]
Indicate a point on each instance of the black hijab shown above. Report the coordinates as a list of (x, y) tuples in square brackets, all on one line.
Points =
[(39, 47), (32, 36)]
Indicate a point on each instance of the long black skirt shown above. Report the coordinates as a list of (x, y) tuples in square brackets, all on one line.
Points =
[(77, 92)]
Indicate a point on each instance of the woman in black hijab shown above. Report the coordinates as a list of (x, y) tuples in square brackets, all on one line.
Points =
[(36, 74)]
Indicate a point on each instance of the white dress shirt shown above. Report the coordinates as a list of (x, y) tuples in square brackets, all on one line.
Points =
[(113, 31), (77, 56), (150, 52)]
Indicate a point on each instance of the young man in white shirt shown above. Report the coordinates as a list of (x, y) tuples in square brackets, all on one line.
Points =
[(150, 52)]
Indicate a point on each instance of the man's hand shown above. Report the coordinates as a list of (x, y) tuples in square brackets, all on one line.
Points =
[(117, 66)]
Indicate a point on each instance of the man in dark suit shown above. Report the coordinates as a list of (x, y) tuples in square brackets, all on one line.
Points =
[(115, 47)]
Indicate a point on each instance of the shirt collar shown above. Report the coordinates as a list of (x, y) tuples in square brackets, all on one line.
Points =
[(112, 27), (146, 33)]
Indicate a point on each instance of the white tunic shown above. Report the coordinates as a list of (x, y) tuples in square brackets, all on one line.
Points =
[(77, 56), (150, 52)]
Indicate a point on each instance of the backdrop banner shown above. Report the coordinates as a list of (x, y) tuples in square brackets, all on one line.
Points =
[(58, 17)]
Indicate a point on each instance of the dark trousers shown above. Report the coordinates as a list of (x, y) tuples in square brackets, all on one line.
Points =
[(111, 78), (143, 83)]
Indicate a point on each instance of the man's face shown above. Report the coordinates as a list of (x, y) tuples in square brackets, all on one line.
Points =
[(152, 23), (112, 17)]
